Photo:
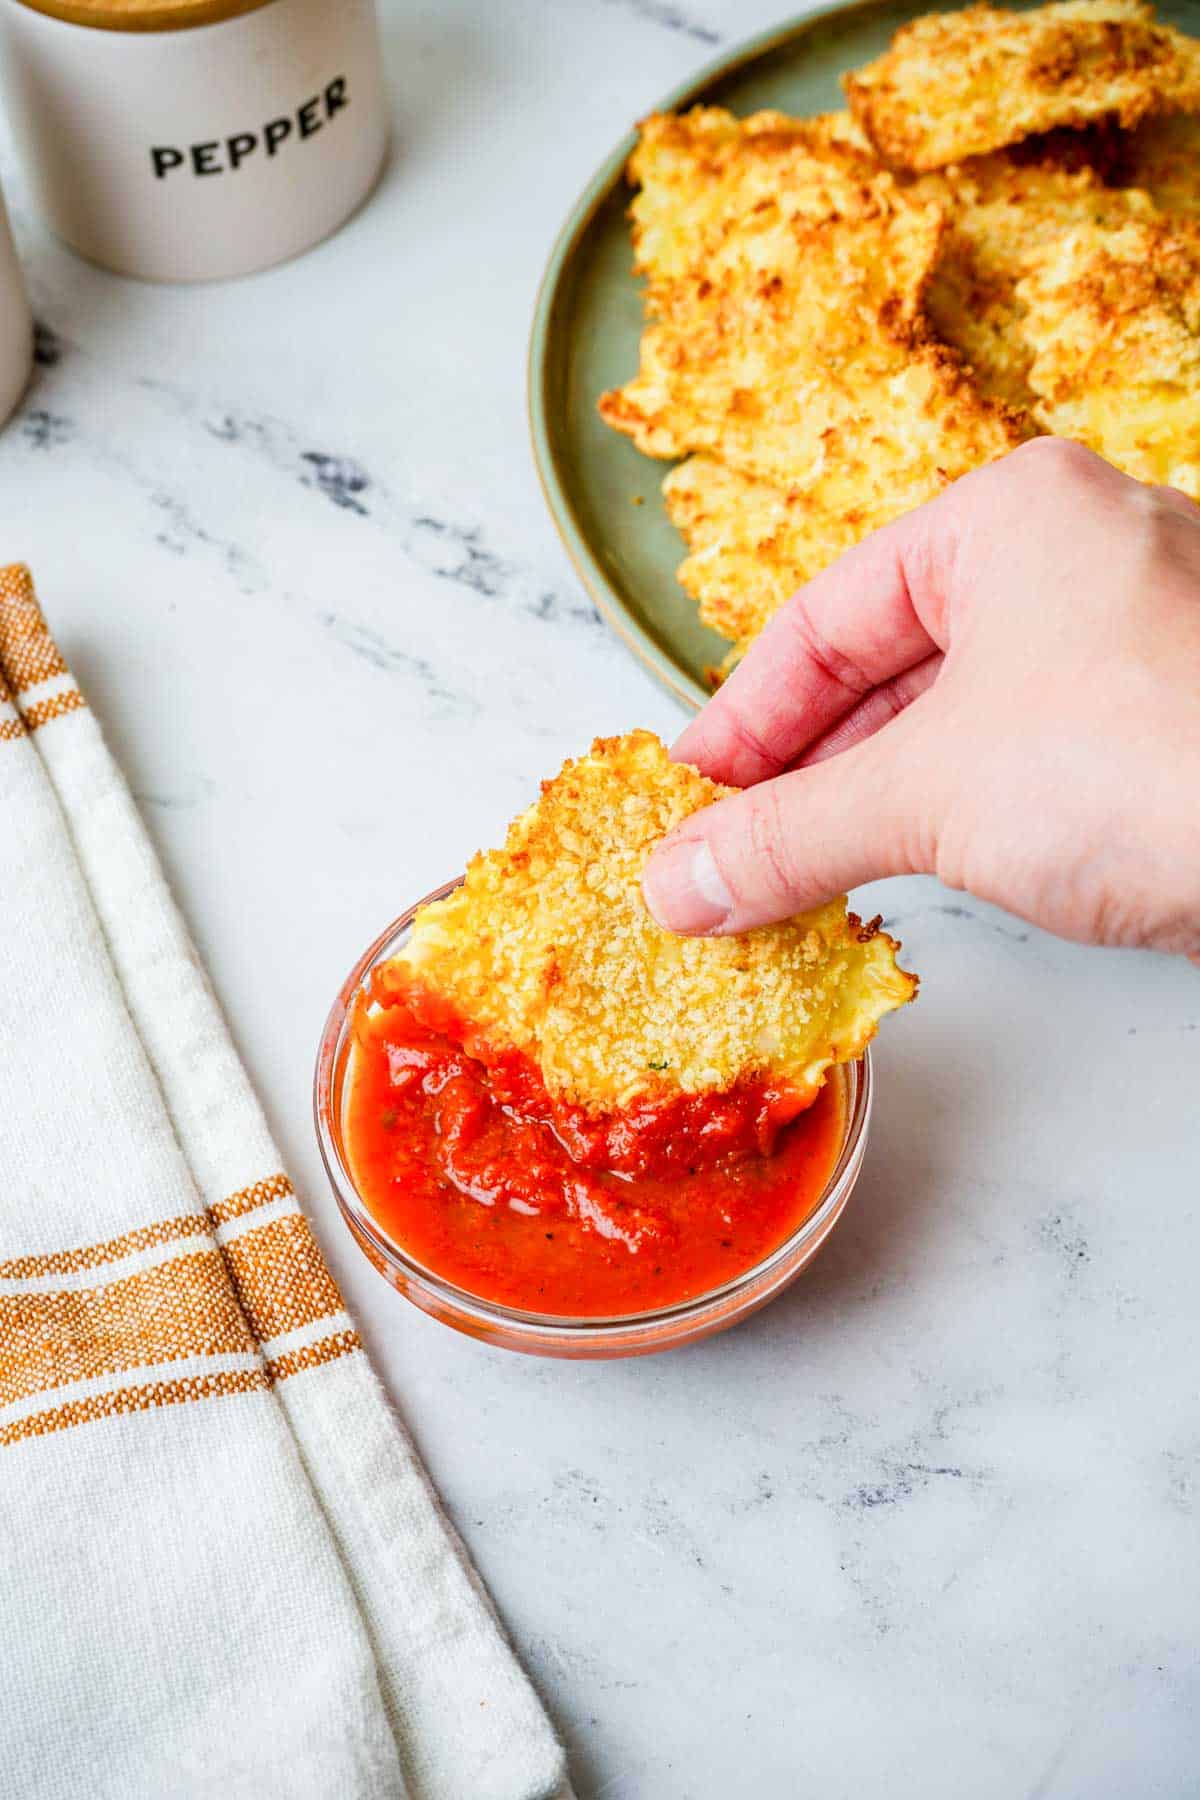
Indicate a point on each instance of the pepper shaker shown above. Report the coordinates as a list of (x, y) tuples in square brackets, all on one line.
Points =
[(182, 140)]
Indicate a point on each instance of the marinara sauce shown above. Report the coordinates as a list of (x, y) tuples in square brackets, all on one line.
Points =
[(464, 1159)]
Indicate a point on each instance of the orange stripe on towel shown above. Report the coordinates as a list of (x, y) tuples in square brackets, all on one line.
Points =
[(93, 1256), (281, 1277), (184, 1307), (43, 711), (161, 1231), (134, 1399), (28, 654), (313, 1356), (212, 1301), (274, 1187)]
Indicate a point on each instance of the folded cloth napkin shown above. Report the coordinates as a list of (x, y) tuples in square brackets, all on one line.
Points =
[(222, 1569)]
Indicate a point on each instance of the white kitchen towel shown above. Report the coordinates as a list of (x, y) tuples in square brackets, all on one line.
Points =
[(223, 1571)]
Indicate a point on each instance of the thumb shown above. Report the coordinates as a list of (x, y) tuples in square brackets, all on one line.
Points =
[(793, 843)]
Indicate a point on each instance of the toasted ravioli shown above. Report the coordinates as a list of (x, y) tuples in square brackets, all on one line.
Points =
[(1163, 157), (1005, 213), (804, 359), (752, 543), (957, 84), (1112, 317), (789, 347), (704, 174), (548, 948)]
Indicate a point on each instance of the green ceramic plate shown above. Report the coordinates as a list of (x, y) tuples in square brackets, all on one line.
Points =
[(588, 323)]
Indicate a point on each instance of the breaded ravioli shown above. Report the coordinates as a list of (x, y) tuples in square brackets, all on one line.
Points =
[(837, 306), (752, 543), (548, 948), (1112, 317), (957, 84), (703, 174), (788, 345), (1005, 213), (1163, 157), (802, 357), (782, 268)]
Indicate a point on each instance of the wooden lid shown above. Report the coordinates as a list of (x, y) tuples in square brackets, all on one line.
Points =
[(143, 15)]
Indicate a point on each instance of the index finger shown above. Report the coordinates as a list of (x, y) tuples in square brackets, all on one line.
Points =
[(851, 628)]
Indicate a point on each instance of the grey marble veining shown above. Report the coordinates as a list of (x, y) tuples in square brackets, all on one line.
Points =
[(928, 1525)]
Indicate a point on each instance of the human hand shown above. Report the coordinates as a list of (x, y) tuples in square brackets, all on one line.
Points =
[(1002, 689)]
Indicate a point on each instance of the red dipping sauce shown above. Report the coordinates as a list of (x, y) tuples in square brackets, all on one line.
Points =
[(479, 1175)]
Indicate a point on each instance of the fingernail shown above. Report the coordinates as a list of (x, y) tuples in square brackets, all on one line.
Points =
[(684, 889)]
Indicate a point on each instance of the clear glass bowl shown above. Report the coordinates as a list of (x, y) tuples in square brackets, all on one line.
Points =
[(542, 1334)]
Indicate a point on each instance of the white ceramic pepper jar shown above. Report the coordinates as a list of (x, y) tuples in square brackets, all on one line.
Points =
[(182, 140)]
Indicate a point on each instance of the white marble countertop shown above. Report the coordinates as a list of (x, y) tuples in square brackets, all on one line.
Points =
[(928, 1525)]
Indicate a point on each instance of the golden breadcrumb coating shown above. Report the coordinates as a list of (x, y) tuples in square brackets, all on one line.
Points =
[(957, 84), (752, 544), (777, 259), (848, 312), (703, 174), (1163, 157), (752, 541), (1113, 319), (548, 947), (789, 346), (802, 357), (1005, 213)]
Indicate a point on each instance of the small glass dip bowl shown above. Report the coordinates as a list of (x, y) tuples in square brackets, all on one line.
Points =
[(545, 1334)]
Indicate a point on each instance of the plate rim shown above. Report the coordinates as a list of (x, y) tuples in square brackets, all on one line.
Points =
[(595, 194)]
